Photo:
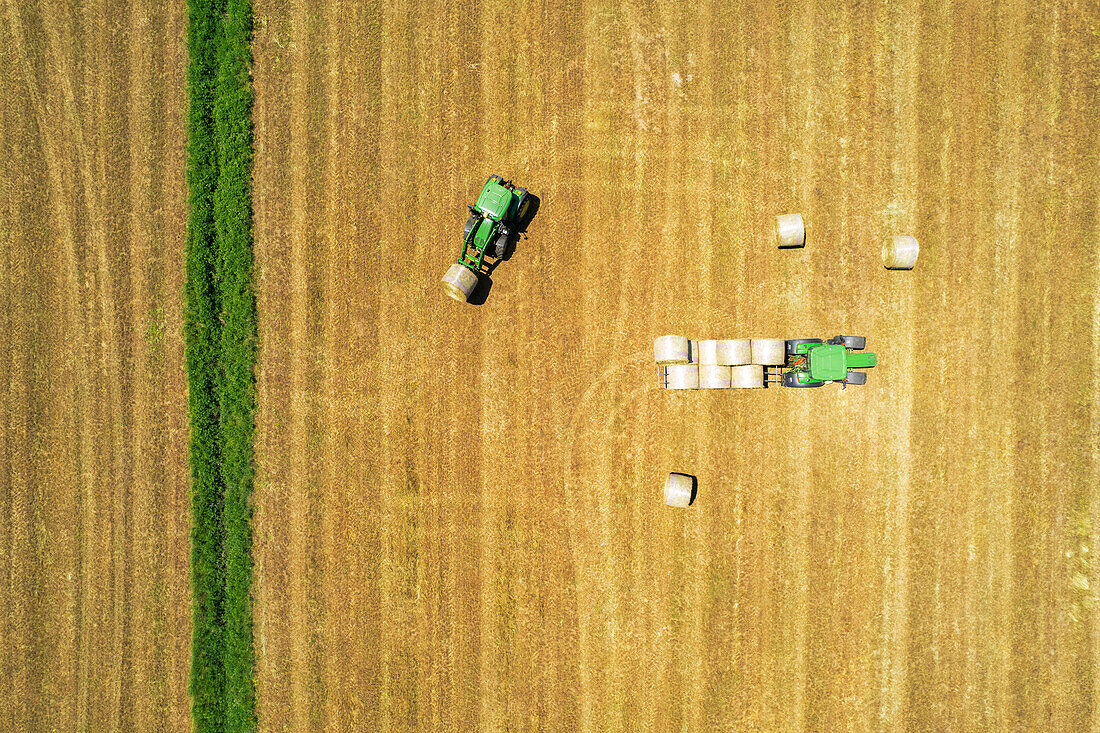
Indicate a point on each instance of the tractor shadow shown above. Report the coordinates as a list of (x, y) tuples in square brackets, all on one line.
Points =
[(485, 280)]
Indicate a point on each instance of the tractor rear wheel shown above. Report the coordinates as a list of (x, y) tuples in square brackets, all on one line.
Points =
[(854, 342), (855, 377), (792, 344), (500, 246), (790, 379), (524, 201)]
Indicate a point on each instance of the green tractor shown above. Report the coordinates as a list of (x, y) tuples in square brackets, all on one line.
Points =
[(493, 219), (813, 362)]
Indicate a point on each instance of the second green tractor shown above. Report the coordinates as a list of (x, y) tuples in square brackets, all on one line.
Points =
[(494, 218)]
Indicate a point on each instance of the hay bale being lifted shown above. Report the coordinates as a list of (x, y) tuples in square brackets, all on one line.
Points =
[(770, 352), (790, 231), (900, 253), (671, 349), (678, 490), (459, 282)]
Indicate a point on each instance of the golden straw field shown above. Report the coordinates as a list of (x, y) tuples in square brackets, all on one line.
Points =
[(458, 513)]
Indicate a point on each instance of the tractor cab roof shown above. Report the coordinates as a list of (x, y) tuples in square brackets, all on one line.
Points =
[(494, 200), (828, 362)]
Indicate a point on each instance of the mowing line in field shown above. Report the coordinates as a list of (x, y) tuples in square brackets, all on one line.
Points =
[(19, 593), (332, 475), (1048, 502), (274, 521), (1006, 270), (8, 216), (894, 681), (807, 111), (564, 40), (172, 215), (958, 61), (1070, 92), (1094, 441), (140, 256), (57, 196), (299, 500), (366, 220)]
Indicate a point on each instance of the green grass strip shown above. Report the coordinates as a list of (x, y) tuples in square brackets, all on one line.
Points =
[(233, 219), (202, 334), (220, 333)]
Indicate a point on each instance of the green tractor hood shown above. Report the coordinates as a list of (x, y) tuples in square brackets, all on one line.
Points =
[(832, 362)]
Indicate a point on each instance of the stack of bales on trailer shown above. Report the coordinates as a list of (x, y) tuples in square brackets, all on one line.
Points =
[(716, 363)]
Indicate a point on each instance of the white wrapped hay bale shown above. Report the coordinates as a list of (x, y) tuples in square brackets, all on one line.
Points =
[(708, 352), (747, 376), (671, 349), (459, 282), (900, 253), (678, 490), (790, 231), (714, 376), (682, 376), (771, 352), (732, 352)]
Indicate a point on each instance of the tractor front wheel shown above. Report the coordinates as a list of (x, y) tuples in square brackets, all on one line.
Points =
[(500, 246)]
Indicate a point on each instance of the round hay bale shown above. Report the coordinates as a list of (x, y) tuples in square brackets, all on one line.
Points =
[(693, 352), (459, 282), (747, 376), (900, 253), (678, 490), (714, 376), (671, 349), (790, 231), (732, 352), (708, 352), (771, 352), (682, 376)]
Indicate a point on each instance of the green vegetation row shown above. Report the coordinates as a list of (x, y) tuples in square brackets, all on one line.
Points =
[(220, 333)]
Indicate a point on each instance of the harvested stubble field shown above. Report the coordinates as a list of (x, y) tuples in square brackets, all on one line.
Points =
[(95, 619), (458, 518), (458, 513)]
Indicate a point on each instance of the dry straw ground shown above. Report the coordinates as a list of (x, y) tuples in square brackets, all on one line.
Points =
[(458, 516), (459, 521), (94, 588)]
